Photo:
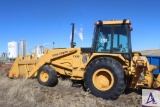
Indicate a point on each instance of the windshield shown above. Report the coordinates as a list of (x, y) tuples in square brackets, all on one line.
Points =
[(112, 39)]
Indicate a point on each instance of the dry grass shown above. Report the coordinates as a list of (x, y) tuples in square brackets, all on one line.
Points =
[(29, 93)]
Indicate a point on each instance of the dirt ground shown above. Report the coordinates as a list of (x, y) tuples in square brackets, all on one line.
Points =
[(29, 93)]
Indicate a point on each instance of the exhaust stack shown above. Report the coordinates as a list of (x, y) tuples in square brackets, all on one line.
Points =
[(73, 44)]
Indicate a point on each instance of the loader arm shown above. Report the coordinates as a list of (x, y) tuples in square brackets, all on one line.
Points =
[(27, 67)]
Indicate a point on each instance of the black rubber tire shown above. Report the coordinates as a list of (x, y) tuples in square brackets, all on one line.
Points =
[(52, 80), (118, 74)]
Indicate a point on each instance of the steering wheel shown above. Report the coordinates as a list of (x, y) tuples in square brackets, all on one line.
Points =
[(123, 50), (100, 44)]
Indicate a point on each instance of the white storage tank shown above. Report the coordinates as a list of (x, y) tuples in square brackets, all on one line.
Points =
[(13, 50)]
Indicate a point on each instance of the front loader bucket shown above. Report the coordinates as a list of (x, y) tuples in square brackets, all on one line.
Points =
[(22, 67)]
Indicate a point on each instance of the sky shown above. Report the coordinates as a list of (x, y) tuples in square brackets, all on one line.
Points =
[(42, 22)]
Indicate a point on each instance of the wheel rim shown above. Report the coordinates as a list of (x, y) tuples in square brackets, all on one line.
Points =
[(103, 79), (44, 76)]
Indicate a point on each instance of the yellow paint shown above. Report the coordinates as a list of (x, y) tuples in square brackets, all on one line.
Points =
[(103, 79), (156, 83), (114, 22), (44, 76), (140, 67)]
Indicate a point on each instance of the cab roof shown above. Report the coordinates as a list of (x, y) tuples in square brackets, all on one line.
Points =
[(113, 22)]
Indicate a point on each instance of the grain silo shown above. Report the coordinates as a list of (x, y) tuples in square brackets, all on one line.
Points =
[(23, 48)]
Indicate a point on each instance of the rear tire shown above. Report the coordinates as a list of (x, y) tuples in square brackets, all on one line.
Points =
[(104, 77), (47, 76)]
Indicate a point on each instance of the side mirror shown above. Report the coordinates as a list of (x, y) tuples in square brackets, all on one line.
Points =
[(130, 28)]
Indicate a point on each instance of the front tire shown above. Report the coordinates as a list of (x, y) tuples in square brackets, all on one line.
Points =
[(47, 76), (104, 77)]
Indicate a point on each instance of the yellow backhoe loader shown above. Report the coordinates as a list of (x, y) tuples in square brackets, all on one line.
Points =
[(106, 68)]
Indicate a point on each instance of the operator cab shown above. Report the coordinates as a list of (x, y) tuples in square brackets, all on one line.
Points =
[(113, 37)]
